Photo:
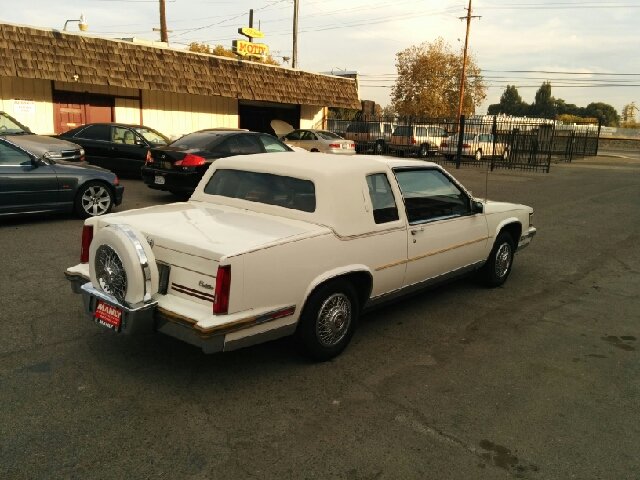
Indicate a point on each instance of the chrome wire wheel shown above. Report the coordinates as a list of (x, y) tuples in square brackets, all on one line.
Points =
[(96, 200), (334, 319), (503, 260), (110, 272)]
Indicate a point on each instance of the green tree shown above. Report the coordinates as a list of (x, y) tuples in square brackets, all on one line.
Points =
[(511, 103), (604, 112), (428, 82), (544, 103)]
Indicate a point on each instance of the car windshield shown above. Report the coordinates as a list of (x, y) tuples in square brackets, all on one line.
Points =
[(154, 138), (195, 140), (328, 135), (9, 126), (287, 192)]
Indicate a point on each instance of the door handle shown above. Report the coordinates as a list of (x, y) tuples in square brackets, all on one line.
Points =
[(415, 231)]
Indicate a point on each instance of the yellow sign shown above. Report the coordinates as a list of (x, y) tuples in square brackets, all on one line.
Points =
[(248, 49), (251, 32)]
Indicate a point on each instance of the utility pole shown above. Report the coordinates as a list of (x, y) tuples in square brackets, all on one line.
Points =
[(251, 22), (294, 62), (464, 61), (164, 37)]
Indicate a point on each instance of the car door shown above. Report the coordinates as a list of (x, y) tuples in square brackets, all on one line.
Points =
[(96, 141), (128, 151), (25, 186), (444, 235), (309, 141)]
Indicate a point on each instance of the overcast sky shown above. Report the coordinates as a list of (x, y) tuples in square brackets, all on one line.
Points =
[(540, 35)]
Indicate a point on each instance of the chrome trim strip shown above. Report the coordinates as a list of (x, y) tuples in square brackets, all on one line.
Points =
[(378, 299), (142, 256), (88, 288)]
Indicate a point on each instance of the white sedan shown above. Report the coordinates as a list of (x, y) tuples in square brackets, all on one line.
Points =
[(321, 141), (474, 145), (294, 246)]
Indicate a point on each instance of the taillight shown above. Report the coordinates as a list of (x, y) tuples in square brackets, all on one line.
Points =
[(353, 145), (87, 236), (223, 286), (190, 161), (149, 157), (466, 145), (444, 144), (413, 140), (334, 145)]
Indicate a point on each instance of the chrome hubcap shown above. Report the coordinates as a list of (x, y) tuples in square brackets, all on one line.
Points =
[(96, 200), (334, 319), (110, 272), (503, 260)]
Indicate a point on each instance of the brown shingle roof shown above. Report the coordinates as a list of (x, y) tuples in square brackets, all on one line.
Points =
[(52, 55)]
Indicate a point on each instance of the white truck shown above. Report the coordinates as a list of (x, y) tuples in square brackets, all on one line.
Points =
[(291, 245)]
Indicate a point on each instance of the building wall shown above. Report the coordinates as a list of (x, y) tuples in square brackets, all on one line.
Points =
[(312, 116), (176, 114), (38, 91)]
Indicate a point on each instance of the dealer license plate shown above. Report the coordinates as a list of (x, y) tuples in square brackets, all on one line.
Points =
[(108, 316), (159, 180)]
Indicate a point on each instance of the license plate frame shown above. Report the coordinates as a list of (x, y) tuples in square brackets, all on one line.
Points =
[(108, 316), (159, 180)]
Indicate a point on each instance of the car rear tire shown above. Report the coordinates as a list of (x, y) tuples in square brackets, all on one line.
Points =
[(424, 151), (378, 149), (498, 266), (448, 157), (328, 320), (93, 199), (478, 155), (505, 155)]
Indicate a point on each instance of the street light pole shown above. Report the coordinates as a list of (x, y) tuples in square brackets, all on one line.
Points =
[(294, 61), (164, 37)]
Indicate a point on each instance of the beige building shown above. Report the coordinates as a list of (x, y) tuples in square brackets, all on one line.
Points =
[(53, 81)]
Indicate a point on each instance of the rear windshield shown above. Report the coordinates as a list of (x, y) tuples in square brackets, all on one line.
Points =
[(328, 135), (357, 127), (287, 192), (195, 140)]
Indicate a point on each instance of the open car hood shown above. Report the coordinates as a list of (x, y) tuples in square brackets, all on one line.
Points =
[(281, 128)]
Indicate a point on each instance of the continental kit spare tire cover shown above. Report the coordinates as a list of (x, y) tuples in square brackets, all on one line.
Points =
[(116, 258)]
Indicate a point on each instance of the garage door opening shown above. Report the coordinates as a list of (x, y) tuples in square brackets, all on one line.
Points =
[(257, 116)]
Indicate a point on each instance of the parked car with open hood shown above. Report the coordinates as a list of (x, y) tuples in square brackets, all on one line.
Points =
[(178, 167), (117, 147), (294, 244), (31, 182), (40, 145)]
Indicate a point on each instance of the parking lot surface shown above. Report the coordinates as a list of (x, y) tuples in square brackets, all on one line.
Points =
[(537, 379)]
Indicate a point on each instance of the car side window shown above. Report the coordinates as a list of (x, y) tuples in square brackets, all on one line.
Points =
[(384, 204), (421, 131), (248, 144), (124, 136), (230, 146), (486, 138), (272, 145), (11, 156), (306, 135), (387, 128), (295, 135), (430, 195), (95, 132)]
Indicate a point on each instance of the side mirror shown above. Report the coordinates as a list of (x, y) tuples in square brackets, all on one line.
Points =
[(35, 162), (477, 207)]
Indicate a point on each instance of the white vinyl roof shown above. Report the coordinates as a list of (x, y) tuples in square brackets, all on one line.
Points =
[(342, 195)]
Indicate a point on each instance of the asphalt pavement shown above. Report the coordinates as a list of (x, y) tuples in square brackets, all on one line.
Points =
[(538, 379)]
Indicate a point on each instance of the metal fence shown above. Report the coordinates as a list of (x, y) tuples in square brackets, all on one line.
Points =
[(495, 141)]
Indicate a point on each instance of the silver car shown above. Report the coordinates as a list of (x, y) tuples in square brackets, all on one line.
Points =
[(476, 145), (320, 141)]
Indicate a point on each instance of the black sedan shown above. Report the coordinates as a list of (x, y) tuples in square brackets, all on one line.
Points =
[(114, 146), (30, 183), (177, 168)]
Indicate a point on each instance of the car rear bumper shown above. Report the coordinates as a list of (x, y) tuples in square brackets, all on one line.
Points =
[(174, 181), (151, 318), (119, 190)]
